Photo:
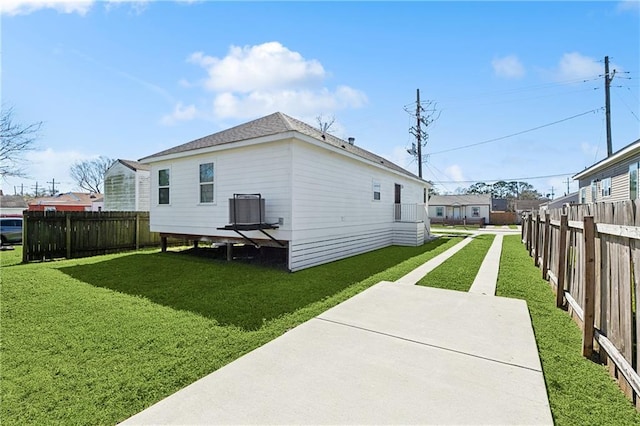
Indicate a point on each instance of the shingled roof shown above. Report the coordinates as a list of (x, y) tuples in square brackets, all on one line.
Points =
[(134, 165), (274, 124)]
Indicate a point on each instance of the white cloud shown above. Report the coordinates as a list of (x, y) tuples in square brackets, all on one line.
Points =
[(298, 102), (589, 151), (508, 67), (44, 166), (267, 66), (251, 81), (24, 7), (632, 6), (574, 66), (454, 172), (180, 113)]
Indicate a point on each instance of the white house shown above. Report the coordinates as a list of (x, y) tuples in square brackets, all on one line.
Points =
[(472, 208), (324, 198), (613, 179), (127, 186)]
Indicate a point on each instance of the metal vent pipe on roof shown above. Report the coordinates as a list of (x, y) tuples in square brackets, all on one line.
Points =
[(351, 140)]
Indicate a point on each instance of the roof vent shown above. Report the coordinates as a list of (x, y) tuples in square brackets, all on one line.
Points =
[(351, 140)]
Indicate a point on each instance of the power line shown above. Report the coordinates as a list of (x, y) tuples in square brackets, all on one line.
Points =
[(508, 179), (517, 133)]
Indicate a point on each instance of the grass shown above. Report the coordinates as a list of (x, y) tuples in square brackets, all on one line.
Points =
[(580, 391), (513, 226), (459, 271), (96, 340), (440, 226)]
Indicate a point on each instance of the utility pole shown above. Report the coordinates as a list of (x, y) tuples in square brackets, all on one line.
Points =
[(421, 135), (607, 103), (53, 186), (36, 189), (567, 185)]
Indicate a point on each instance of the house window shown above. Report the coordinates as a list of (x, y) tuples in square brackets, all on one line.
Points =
[(606, 187), (163, 186), (633, 181), (594, 191), (206, 183), (475, 211), (439, 211), (583, 195), (376, 191)]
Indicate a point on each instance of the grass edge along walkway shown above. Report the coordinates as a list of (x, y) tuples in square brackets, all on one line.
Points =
[(580, 392), (460, 270), (77, 353)]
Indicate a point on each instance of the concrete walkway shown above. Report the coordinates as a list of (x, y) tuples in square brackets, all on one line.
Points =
[(393, 354), (487, 278)]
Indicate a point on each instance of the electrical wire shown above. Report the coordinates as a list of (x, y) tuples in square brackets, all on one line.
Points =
[(517, 133)]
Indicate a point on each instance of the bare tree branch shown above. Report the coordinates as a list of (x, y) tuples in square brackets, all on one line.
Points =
[(325, 125), (89, 174), (15, 141)]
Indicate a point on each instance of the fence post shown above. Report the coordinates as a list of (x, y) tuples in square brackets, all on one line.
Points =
[(562, 260), (137, 231), (537, 242), (589, 285), (545, 248), (25, 243), (67, 217), (529, 229)]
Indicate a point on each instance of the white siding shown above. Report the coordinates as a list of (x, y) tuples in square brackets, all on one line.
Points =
[(263, 169), (143, 190), (619, 174), (334, 213), (119, 188)]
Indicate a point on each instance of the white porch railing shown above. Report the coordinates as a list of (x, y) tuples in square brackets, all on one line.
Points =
[(409, 213)]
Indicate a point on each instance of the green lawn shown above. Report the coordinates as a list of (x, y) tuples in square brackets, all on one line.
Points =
[(96, 340), (459, 271), (580, 391)]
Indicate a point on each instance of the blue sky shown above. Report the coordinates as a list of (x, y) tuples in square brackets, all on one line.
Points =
[(126, 80)]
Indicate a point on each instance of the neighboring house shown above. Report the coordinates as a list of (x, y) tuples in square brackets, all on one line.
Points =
[(12, 205), (97, 205), (324, 198), (560, 202), (67, 202), (499, 205), (127, 186), (613, 179), (473, 208), (524, 206)]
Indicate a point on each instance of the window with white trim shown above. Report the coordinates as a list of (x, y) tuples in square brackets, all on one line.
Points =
[(583, 195), (594, 191), (475, 211), (206, 182), (376, 191), (439, 211), (605, 187), (163, 186)]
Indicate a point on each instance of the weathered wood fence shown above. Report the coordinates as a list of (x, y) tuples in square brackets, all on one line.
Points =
[(50, 235), (591, 256)]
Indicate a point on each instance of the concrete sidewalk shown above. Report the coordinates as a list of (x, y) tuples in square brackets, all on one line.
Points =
[(393, 354)]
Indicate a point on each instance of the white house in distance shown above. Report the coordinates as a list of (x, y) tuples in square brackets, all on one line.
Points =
[(613, 179), (453, 209), (127, 186), (320, 198)]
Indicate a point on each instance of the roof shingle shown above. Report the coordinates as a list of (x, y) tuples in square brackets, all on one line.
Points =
[(274, 124)]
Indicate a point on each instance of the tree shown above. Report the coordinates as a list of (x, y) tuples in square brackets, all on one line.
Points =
[(479, 188), (89, 174), (325, 124), (15, 141)]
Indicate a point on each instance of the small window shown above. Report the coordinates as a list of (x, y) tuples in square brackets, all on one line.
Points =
[(594, 191), (439, 211), (163, 186), (475, 211), (633, 181), (583, 195), (606, 187), (206, 183), (376, 191)]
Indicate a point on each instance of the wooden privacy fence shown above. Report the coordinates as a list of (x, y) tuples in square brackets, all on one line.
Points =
[(591, 256), (49, 235)]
